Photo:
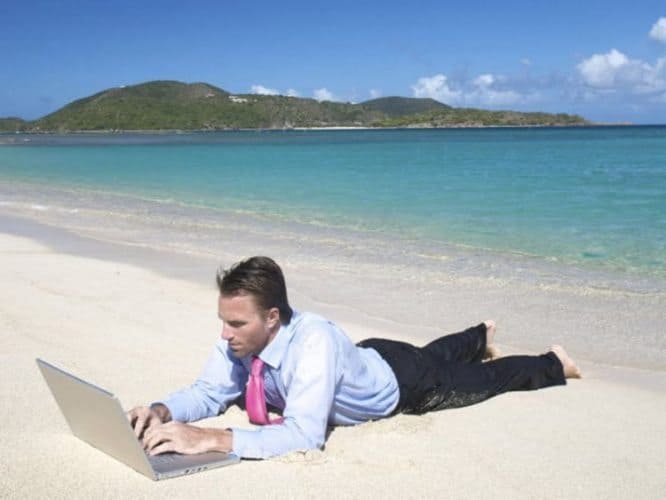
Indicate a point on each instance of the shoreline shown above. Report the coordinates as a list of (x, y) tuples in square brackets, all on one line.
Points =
[(407, 303), (76, 207), (112, 132)]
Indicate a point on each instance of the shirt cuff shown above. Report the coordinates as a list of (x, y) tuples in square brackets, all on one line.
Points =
[(247, 444)]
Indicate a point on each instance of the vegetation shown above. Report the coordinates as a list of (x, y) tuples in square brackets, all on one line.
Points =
[(468, 117), (12, 124), (167, 105), (400, 106), (171, 105)]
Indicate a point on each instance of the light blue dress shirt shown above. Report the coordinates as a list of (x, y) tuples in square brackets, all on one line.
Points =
[(313, 371)]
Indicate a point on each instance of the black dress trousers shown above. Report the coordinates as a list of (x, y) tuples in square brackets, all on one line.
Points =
[(449, 372)]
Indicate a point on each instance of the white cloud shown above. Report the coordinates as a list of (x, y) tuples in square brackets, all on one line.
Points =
[(488, 92), (658, 31), (614, 71), (323, 94), (601, 70), (375, 93), (261, 90), (484, 81), (610, 83), (484, 90), (436, 87)]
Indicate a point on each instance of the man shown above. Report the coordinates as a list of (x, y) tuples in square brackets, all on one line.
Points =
[(307, 367)]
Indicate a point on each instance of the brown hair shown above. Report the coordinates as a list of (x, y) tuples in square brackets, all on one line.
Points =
[(260, 277)]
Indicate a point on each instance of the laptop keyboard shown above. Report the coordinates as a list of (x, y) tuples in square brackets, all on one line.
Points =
[(165, 458)]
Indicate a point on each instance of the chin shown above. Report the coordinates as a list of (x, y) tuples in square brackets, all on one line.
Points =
[(239, 353)]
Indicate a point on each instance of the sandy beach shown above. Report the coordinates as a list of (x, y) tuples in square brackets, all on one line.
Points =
[(140, 323)]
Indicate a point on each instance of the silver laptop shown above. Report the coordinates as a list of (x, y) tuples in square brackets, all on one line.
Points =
[(95, 416)]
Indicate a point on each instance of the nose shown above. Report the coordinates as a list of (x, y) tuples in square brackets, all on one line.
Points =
[(226, 333)]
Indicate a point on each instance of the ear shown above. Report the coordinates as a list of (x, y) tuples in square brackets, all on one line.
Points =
[(273, 317)]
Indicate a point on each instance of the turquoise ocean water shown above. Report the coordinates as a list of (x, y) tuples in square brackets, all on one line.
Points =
[(593, 198)]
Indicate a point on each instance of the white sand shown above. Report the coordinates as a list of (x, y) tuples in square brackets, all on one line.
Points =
[(141, 335)]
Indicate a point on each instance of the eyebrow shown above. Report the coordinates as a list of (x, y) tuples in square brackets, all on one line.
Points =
[(237, 322)]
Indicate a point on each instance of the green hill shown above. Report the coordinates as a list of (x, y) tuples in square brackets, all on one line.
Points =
[(12, 124), (171, 105), (400, 106), (168, 105)]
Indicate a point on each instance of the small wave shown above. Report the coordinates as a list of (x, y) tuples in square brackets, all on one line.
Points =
[(41, 208), (67, 210)]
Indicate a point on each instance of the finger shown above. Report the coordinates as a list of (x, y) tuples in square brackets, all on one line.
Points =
[(149, 443), (154, 436), (139, 425), (150, 423), (133, 416), (164, 447), (149, 438)]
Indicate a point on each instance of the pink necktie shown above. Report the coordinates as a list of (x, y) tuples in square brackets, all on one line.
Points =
[(255, 397)]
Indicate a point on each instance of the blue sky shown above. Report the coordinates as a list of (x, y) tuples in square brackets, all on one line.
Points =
[(603, 60)]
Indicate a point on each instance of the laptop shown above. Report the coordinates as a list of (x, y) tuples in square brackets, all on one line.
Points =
[(96, 417)]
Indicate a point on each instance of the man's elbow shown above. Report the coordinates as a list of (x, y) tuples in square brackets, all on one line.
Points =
[(306, 439)]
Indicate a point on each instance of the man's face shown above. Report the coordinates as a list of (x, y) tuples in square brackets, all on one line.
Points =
[(245, 327)]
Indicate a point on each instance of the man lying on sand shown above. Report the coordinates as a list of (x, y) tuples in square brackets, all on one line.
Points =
[(306, 367)]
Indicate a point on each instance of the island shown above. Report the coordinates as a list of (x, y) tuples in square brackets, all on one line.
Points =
[(173, 105)]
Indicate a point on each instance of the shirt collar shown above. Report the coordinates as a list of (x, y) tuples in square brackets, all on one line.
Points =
[(274, 352)]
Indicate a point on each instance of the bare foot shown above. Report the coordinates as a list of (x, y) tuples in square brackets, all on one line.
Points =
[(570, 368), (492, 351)]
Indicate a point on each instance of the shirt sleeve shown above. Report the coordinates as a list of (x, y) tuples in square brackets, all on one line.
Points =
[(220, 383), (311, 378)]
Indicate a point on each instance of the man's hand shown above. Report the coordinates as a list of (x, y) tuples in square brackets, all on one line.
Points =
[(187, 439), (143, 418)]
